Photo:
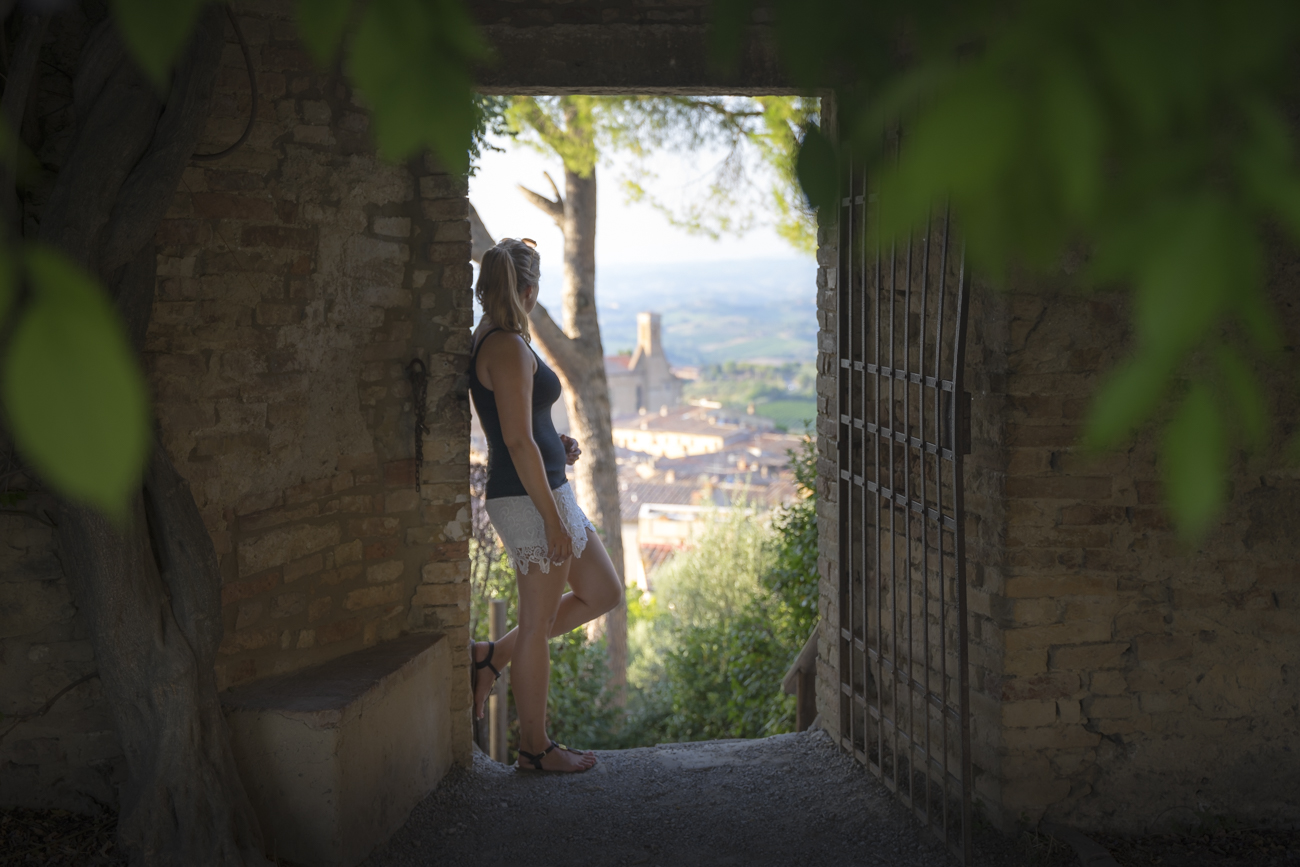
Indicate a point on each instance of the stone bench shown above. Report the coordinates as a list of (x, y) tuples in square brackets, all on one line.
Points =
[(335, 756)]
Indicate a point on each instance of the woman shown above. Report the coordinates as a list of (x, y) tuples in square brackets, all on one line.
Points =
[(547, 537)]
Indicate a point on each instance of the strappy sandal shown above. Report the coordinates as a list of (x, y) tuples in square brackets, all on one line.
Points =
[(536, 759), (486, 663)]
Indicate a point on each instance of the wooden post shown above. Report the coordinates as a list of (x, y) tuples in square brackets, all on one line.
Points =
[(805, 708), (801, 682), (497, 699)]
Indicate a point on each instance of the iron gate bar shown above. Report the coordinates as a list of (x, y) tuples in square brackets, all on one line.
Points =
[(904, 457)]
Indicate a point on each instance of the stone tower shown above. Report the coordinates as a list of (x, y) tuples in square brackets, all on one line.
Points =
[(645, 381)]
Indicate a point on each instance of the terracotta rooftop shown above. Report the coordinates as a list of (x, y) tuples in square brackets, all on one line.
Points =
[(637, 492)]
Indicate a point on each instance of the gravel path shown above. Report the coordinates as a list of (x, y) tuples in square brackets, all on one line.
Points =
[(785, 800)]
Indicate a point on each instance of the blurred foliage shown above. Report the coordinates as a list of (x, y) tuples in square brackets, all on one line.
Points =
[(411, 59), (1155, 139), (74, 399), (708, 650), (156, 31), (758, 137), (724, 680), (489, 121), (792, 576), (736, 384), (711, 647), (581, 707)]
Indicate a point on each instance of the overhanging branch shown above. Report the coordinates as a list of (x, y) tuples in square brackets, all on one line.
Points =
[(553, 209), (558, 346)]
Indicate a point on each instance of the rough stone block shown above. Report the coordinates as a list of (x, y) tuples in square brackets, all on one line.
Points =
[(392, 227), (1060, 488), (281, 546), (440, 594), (1028, 714), (334, 757), (1089, 657), (382, 573), (443, 187), (368, 597), (1109, 707)]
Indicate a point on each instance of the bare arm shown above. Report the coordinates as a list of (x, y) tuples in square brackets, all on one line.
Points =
[(510, 366)]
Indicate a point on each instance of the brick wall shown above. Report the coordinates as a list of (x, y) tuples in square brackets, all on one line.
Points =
[(986, 521), (617, 46), (296, 279), (828, 527), (1143, 679)]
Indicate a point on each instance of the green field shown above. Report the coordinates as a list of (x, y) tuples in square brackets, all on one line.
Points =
[(789, 414)]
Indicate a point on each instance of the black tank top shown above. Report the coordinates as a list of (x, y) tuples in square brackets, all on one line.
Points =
[(503, 480)]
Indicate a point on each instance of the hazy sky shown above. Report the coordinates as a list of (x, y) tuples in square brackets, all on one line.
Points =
[(625, 233)]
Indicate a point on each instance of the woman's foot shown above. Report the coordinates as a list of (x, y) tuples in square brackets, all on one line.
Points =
[(557, 758), (485, 676)]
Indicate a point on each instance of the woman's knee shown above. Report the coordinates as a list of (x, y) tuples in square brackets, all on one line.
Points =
[(613, 595)]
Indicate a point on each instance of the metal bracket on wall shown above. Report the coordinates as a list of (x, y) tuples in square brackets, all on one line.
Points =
[(418, 374)]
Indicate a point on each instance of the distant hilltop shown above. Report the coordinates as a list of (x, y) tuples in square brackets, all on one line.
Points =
[(762, 311)]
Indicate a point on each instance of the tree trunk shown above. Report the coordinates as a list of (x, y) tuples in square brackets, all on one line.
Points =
[(579, 359), (149, 590)]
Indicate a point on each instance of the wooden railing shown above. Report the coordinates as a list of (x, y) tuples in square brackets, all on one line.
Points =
[(801, 682)]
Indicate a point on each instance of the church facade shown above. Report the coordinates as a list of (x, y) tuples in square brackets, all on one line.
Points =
[(644, 380)]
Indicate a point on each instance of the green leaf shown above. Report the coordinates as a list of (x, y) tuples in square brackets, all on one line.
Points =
[(817, 168), (1125, 401), (6, 282), (412, 58), (1073, 131), (74, 394), (155, 31), (727, 35), (321, 24), (1194, 462), (962, 147), (1199, 252), (1247, 395)]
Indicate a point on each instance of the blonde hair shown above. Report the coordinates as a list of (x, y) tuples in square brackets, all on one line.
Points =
[(505, 270)]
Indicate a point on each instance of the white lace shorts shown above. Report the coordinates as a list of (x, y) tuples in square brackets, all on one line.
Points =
[(521, 529)]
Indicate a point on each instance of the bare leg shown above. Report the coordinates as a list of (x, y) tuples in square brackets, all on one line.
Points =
[(595, 591), (539, 602)]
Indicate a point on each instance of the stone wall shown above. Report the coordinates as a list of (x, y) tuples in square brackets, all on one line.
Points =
[(617, 46), (986, 523), (297, 278), (1143, 679), (828, 488)]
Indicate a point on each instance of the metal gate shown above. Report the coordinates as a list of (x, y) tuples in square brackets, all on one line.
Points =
[(903, 429)]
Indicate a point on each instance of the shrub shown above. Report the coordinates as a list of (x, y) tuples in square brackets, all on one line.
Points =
[(707, 651)]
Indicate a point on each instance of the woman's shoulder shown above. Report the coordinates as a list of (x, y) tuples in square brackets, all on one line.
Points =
[(503, 345)]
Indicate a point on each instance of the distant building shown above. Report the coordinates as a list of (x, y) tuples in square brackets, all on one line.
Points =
[(644, 380), (758, 459), (684, 431)]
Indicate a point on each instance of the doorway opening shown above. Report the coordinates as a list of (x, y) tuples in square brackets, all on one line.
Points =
[(707, 327)]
